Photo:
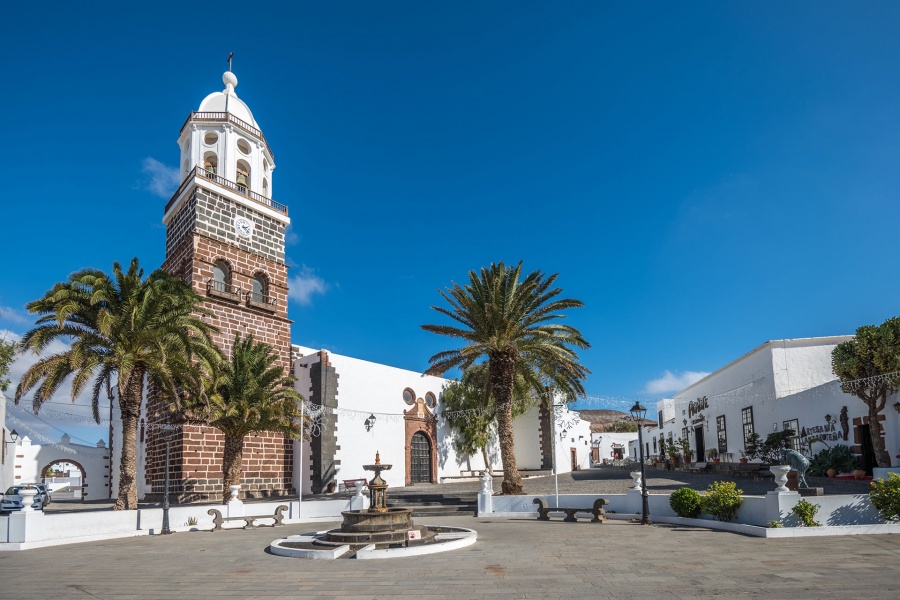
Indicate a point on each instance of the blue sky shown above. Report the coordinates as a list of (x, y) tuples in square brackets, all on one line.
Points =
[(705, 176)]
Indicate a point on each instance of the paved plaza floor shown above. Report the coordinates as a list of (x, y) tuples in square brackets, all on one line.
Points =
[(513, 558)]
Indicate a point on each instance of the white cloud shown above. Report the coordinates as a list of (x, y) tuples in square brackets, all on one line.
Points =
[(290, 236), (673, 382), (164, 179), (305, 285), (62, 400), (12, 315)]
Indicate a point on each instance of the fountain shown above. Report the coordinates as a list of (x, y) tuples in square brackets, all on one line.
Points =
[(377, 524), (375, 532)]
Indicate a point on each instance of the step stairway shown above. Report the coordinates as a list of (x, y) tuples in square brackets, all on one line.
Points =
[(436, 505)]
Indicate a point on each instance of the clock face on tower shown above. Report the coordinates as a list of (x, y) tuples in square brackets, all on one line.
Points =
[(243, 226)]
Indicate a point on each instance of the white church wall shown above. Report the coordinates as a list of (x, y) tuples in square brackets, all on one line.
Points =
[(526, 436), (302, 448), (366, 388)]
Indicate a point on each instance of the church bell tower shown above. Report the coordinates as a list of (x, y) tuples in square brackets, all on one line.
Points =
[(225, 238)]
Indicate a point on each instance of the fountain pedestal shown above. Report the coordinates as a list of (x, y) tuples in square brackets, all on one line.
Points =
[(377, 524), (378, 486)]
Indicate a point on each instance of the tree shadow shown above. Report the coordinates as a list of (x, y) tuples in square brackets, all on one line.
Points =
[(858, 513)]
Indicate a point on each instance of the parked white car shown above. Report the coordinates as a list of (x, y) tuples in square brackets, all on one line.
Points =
[(13, 501)]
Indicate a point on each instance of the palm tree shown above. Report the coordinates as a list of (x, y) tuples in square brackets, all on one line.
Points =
[(472, 413), (122, 330), (249, 393), (513, 322)]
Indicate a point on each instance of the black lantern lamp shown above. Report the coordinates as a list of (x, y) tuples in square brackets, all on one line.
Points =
[(370, 422), (638, 412)]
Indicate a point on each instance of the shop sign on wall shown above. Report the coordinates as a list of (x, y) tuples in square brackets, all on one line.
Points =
[(695, 406)]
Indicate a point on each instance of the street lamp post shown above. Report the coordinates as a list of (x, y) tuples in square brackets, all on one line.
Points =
[(638, 411), (165, 522)]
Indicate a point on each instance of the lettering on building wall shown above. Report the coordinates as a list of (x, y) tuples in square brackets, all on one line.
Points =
[(695, 406), (827, 433)]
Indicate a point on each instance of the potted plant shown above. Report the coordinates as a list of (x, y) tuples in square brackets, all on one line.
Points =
[(686, 450), (713, 455), (674, 453), (743, 459)]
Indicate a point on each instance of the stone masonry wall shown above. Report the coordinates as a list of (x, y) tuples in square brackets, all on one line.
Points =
[(196, 452)]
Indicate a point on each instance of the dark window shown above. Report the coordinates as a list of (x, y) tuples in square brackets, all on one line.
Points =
[(659, 420), (221, 272), (720, 430), (747, 423), (409, 396), (793, 425), (654, 445)]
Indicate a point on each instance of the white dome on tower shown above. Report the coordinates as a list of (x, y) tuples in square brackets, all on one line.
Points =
[(217, 101)]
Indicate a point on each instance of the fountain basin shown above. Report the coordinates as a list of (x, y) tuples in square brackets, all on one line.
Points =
[(310, 546)]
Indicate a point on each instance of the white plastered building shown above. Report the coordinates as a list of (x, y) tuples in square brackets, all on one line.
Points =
[(781, 384), (369, 407)]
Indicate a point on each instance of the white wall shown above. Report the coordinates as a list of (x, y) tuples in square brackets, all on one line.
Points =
[(7, 467), (782, 380), (606, 440), (366, 388), (32, 458), (575, 435), (526, 436)]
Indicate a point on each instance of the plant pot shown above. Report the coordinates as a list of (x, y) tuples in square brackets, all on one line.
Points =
[(743, 461), (831, 473), (715, 461), (858, 474)]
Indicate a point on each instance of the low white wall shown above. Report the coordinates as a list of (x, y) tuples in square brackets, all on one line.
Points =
[(90, 525), (839, 510)]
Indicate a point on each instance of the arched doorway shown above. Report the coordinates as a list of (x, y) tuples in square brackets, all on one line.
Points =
[(79, 490), (420, 459), (420, 436)]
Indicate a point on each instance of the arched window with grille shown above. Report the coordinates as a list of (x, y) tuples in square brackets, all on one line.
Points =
[(220, 283)]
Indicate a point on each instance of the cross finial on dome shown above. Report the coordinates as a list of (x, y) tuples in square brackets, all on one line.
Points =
[(230, 56)]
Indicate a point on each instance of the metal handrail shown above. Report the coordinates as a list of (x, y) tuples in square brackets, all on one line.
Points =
[(223, 288), (260, 298), (199, 171), (206, 117)]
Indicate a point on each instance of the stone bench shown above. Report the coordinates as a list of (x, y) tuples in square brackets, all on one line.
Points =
[(698, 467), (249, 521), (745, 470), (598, 511), (351, 485)]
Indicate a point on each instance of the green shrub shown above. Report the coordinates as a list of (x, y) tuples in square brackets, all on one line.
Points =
[(836, 457), (722, 500), (885, 495), (686, 503), (775, 524), (806, 512)]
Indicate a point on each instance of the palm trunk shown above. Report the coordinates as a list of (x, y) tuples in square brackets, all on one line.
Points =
[(130, 397), (502, 371), (882, 458), (487, 461), (232, 464)]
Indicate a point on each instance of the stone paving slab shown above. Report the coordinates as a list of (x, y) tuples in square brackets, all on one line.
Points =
[(513, 558)]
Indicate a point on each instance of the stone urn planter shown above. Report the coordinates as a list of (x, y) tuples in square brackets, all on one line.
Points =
[(636, 476), (858, 474), (780, 472), (831, 473)]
